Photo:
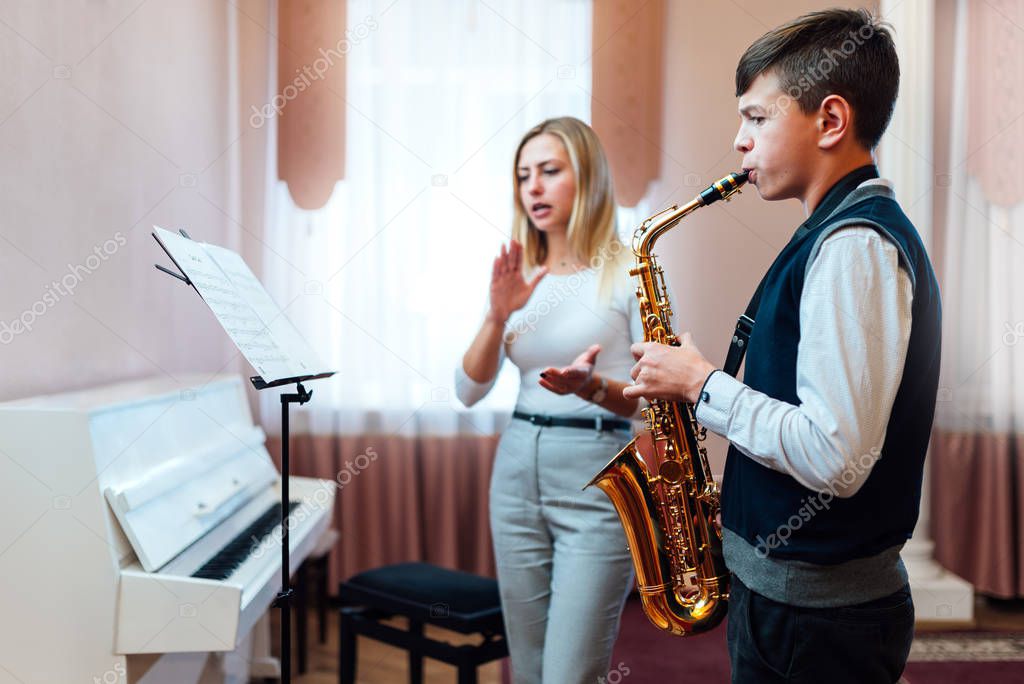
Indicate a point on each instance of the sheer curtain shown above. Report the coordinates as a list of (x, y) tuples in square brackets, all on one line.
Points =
[(984, 382), (978, 450), (389, 279)]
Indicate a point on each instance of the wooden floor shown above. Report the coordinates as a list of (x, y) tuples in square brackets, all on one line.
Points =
[(995, 615), (382, 664)]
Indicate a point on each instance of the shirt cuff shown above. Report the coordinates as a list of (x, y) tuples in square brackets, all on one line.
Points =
[(468, 390), (714, 407)]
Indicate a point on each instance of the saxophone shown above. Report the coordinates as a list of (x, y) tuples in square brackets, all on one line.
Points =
[(671, 517)]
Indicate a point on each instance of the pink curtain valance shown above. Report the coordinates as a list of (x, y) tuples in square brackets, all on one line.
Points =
[(310, 105), (627, 91)]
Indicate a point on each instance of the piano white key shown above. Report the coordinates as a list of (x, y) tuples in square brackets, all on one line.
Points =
[(308, 522), (261, 581), (196, 555)]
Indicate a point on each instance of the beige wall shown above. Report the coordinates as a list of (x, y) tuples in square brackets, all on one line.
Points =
[(112, 119), (716, 257)]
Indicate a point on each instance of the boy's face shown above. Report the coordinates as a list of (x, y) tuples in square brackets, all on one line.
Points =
[(778, 141)]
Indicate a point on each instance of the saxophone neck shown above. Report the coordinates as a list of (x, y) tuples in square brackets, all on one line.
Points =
[(662, 222)]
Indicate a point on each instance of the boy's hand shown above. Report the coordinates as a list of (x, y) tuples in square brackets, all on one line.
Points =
[(664, 372)]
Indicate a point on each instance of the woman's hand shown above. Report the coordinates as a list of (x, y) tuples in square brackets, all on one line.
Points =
[(574, 377), (509, 290)]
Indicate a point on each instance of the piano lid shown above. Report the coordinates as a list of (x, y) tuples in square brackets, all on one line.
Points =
[(173, 459), (188, 495)]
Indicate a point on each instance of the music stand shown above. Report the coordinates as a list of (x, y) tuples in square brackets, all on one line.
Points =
[(300, 396)]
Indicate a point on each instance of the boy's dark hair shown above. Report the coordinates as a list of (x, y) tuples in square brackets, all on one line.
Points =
[(837, 51)]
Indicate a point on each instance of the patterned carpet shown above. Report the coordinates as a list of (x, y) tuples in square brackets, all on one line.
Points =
[(968, 647)]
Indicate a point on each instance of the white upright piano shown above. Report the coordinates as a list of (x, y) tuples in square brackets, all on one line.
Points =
[(140, 535)]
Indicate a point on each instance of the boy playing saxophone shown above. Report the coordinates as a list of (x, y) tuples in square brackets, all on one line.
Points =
[(829, 427)]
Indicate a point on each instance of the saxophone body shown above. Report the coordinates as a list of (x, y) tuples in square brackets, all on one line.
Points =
[(669, 509)]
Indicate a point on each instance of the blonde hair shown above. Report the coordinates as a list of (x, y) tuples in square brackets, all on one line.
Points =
[(592, 231)]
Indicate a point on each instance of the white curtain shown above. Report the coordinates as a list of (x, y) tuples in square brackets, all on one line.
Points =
[(982, 387), (389, 280)]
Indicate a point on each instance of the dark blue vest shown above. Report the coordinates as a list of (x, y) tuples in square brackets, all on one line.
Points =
[(758, 502)]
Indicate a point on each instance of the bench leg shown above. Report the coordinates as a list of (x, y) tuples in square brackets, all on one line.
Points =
[(467, 674), (346, 649), (321, 606), (415, 657), (302, 617)]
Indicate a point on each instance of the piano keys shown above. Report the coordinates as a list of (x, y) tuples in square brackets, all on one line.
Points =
[(141, 533)]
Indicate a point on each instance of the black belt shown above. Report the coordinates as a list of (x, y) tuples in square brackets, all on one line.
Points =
[(600, 424)]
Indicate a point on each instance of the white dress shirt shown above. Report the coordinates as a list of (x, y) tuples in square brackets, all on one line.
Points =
[(855, 316)]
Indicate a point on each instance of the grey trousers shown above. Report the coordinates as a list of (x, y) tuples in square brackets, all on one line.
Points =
[(563, 568)]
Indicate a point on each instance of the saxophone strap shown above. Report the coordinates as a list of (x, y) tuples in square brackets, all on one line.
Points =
[(744, 328), (833, 198)]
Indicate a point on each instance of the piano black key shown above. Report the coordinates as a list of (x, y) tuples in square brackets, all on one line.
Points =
[(243, 545)]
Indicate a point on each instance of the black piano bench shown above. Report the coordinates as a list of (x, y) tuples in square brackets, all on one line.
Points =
[(426, 595)]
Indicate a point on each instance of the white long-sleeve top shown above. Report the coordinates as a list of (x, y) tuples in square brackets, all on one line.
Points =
[(855, 317), (563, 317)]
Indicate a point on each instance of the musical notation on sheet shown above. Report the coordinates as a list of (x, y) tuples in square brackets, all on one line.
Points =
[(261, 331)]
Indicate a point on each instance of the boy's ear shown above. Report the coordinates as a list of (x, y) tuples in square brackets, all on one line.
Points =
[(834, 121)]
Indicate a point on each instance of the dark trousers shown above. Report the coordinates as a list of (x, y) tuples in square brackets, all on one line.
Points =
[(773, 642)]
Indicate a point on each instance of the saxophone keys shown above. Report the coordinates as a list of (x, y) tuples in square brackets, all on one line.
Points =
[(671, 471)]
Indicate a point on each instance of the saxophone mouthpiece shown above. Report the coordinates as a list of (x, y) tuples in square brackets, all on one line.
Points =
[(724, 188)]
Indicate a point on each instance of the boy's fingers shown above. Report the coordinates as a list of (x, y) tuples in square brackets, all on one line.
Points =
[(633, 391)]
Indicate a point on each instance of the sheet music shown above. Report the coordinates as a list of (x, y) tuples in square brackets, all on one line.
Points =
[(274, 320), (257, 326)]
